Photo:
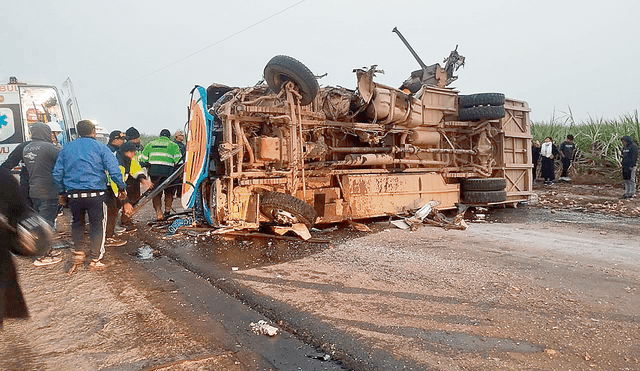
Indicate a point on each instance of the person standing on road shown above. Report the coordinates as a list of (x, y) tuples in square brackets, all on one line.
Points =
[(567, 150), (81, 173), (116, 139), (629, 168), (39, 156), (161, 156), (133, 136), (132, 173), (12, 205), (179, 140), (535, 157), (548, 151)]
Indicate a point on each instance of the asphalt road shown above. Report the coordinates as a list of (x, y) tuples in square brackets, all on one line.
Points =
[(527, 289)]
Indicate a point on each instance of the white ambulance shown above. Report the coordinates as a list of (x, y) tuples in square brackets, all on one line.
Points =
[(23, 104)]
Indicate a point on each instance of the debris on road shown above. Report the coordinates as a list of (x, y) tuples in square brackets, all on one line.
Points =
[(424, 211), (551, 352), (263, 328), (599, 198), (359, 226), (173, 228), (428, 214), (401, 223), (298, 228), (440, 220), (324, 357)]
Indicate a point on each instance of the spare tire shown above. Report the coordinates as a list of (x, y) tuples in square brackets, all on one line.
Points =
[(483, 197), (274, 203), (481, 113), (282, 68), (481, 99), (484, 184)]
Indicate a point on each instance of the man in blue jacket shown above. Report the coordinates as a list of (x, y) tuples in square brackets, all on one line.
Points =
[(80, 175)]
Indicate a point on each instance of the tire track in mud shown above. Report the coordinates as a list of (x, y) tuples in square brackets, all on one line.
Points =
[(351, 351)]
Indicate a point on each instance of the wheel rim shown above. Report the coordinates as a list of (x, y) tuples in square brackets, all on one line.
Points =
[(283, 217)]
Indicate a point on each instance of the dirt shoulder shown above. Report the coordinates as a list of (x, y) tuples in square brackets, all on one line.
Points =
[(119, 319), (599, 198)]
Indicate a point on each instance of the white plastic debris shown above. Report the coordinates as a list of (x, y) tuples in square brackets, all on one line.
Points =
[(298, 228), (425, 210), (263, 328), (400, 224)]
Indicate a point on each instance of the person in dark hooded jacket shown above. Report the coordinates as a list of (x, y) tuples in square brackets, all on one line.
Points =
[(39, 156), (629, 168)]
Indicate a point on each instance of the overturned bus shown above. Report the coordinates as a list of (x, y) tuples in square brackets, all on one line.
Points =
[(289, 151)]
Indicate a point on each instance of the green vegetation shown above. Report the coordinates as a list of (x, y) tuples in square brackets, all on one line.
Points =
[(597, 141), (146, 138)]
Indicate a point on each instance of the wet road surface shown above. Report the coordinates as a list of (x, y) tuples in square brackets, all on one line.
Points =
[(577, 262), (281, 352)]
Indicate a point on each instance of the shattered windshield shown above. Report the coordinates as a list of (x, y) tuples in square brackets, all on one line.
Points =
[(41, 104)]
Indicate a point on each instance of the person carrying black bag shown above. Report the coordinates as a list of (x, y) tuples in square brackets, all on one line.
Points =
[(22, 232)]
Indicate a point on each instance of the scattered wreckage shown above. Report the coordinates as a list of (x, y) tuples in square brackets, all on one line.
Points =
[(289, 152)]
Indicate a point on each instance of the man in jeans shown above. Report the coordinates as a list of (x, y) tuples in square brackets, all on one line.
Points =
[(567, 149), (80, 173), (39, 156), (629, 161)]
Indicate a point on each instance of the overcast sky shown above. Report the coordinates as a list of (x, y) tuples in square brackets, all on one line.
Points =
[(133, 63)]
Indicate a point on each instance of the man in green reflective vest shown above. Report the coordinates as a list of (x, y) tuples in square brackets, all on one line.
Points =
[(160, 157)]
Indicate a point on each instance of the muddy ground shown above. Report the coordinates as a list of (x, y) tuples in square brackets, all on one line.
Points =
[(119, 319), (598, 198), (546, 287)]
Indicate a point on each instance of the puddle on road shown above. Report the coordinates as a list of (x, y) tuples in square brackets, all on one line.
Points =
[(243, 252)]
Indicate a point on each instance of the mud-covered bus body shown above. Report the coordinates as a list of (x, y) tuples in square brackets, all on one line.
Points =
[(290, 151)]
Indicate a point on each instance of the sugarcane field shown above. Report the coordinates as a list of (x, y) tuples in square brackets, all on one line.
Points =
[(330, 202)]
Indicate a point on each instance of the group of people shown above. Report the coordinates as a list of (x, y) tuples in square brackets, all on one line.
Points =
[(547, 152), (94, 181), (160, 156)]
